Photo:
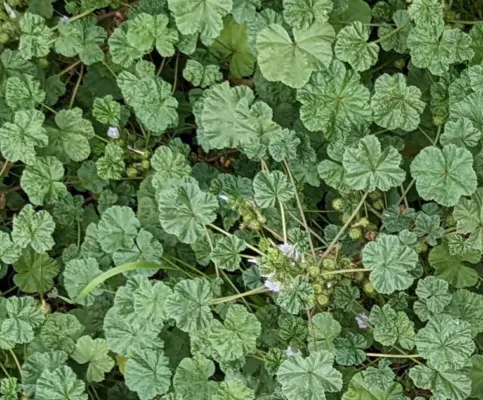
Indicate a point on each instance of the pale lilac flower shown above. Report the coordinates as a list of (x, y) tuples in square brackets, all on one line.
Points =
[(290, 351), (53, 294), (223, 197), (253, 261), (113, 132), (11, 13), (64, 19), (289, 250), (362, 320), (273, 286)]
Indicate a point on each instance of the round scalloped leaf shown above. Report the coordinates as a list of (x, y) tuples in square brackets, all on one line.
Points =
[(392, 39), (426, 12), (391, 264), (396, 105), (446, 342), (202, 75), (368, 168), (35, 272), (461, 133), (60, 384), (226, 253), (334, 101), (444, 175), (192, 378), (433, 297), (468, 306), (93, 352), (361, 387), (309, 378), (300, 14), (296, 296), (34, 229), (117, 229), (272, 187), (36, 38), (234, 389), (22, 317), (292, 61), (23, 92), (79, 273), (170, 165), (391, 327), (469, 219), (352, 46)]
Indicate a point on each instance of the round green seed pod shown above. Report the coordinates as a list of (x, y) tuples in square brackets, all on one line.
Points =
[(337, 204), (146, 164), (369, 289), (328, 264), (131, 172), (318, 288), (314, 270), (323, 300), (355, 233)]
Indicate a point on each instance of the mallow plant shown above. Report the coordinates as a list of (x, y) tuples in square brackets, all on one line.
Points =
[(241, 199)]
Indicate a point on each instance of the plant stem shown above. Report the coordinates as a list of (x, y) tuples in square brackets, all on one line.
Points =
[(388, 35), (49, 108), (259, 290), (69, 68), (4, 370), (284, 223), (227, 278), (455, 21), (382, 355), (253, 248), (15, 359), (76, 88), (406, 204), (162, 66), (346, 225), (176, 72), (212, 248), (437, 136), (406, 191), (76, 17), (176, 267), (4, 168), (344, 271), (299, 205)]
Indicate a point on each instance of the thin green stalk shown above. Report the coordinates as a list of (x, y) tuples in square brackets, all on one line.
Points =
[(252, 292), (176, 73), (284, 223), (133, 266), (455, 21), (346, 225), (312, 232), (211, 248), (4, 168), (102, 138), (4, 370), (406, 191), (15, 359), (437, 136), (177, 268), (194, 269), (76, 88), (109, 69), (49, 108), (388, 35), (227, 278), (344, 271), (253, 248), (79, 231), (69, 68), (162, 66), (382, 355), (299, 205), (76, 17)]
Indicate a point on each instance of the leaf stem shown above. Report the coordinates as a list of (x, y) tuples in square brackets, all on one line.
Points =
[(76, 88), (175, 73), (253, 248), (284, 223), (345, 271), (132, 266), (346, 225), (388, 35), (455, 21), (212, 248), (252, 292), (15, 359), (76, 17), (382, 355), (69, 68), (49, 108)]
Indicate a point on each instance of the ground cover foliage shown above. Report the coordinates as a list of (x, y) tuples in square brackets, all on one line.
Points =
[(241, 199)]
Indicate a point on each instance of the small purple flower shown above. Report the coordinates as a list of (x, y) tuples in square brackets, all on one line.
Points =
[(362, 321), (223, 197), (64, 19), (290, 351), (113, 132), (273, 286), (289, 250)]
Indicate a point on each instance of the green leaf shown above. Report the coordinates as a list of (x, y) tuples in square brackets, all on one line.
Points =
[(150, 300), (149, 96), (23, 92), (42, 181), (334, 175), (9, 389), (476, 375), (467, 107), (185, 210), (245, 10), (36, 38), (433, 297), (36, 363), (461, 133), (204, 16), (202, 75), (391, 39), (170, 166), (283, 145), (71, 138), (369, 168), (190, 304), (292, 61), (226, 253), (426, 12), (309, 378), (83, 38), (352, 47), (18, 139), (117, 229), (396, 105), (68, 210), (444, 175), (60, 384), (107, 111), (469, 218), (148, 31), (192, 378), (361, 387), (147, 374), (31, 228), (391, 327), (237, 336), (111, 165), (234, 389), (60, 332), (300, 14), (77, 274), (35, 272), (22, 317), (121, 50), (391, 264), (233, 44), (272, 187), (468, 307), (429, 226), (41, 7), (296, 296), (444, 384), (9, 252), (93, 352), (451, 268), (350, 349), (446, 342)]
